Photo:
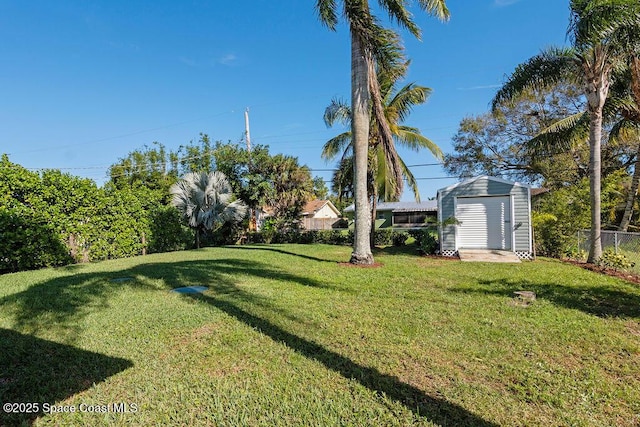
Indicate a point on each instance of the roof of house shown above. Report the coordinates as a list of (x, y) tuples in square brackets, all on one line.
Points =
[(538, 191), (426, 206), (314, 206)]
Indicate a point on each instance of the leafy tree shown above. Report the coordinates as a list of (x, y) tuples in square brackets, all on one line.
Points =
[(262, 180), (292, 187), (589, 62), (206, 200), (497, 143), (320, 190), (371, 45), (153, 167)]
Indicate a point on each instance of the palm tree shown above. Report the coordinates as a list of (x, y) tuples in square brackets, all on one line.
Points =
[(368, 48), (590, 61), (206, 200), (385, 165)]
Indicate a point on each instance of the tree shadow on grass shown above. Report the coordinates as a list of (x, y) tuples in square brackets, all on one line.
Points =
[(434, 409), (70, 298), (280, 251), (600, 300), (61, 303), (33, 370)]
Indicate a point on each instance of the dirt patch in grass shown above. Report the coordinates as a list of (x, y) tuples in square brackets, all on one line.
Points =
[(624, 275)]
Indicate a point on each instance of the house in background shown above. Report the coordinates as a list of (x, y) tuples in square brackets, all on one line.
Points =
[(489, 213), (402, 214), (319, 215)]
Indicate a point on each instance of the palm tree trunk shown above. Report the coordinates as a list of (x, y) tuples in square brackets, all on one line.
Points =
[(360, 132), (197, 237), (596, 84), (595, 167), (635, 182)]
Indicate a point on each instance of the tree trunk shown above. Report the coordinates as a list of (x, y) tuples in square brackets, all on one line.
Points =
[(360, 133), (635, 181), (595, 167), (197, 237), (596, 73)]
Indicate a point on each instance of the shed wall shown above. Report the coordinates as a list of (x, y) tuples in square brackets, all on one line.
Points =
[(487, 187)]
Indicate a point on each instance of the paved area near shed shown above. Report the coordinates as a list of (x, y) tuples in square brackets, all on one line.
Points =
[(487, 255)]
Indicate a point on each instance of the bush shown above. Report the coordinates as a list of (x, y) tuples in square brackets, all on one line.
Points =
[(28, 241), (426, 241), (615, 261), (383, 237), (399, 238)]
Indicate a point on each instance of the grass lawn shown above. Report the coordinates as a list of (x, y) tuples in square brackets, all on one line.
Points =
[(287, 336)]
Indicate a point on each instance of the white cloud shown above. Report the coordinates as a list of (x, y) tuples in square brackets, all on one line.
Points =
[(228, 59)]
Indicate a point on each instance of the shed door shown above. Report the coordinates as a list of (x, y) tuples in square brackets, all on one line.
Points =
[(484, 222)]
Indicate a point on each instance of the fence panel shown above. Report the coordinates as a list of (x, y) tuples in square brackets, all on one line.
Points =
[(319, 223), (620, 242)]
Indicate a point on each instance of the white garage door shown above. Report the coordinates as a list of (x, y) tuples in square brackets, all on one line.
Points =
[(484, 222)]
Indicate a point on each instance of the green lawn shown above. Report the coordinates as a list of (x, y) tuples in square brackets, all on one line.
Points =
[(287, 336)]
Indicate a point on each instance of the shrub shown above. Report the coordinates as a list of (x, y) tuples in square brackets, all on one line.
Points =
[(399, 238), (615, 261), (426, 241), (28, 241), (383, 237)]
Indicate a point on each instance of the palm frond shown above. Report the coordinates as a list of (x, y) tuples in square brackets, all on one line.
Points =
[(411, 180), (550, 67), (625, 130), (326, 10), (406, 98), (561, 135), (411, 138), (337, 144), (612, 22), (436, 8), (203, 198), (399, 13), (338, 111)]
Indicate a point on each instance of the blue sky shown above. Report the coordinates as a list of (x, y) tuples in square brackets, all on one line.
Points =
[(82, 84)]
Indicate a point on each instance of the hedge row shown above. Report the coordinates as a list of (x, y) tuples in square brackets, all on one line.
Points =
[(53, 219), (383, 237)]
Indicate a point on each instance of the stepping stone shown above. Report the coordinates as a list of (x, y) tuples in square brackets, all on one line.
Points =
[(190, 289)]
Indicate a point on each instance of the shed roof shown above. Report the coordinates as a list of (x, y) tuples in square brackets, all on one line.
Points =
[(490, 178)]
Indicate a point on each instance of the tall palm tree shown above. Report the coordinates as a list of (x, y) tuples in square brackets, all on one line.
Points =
[(384, 162), (206, 200), (590, 61), (368, 49)]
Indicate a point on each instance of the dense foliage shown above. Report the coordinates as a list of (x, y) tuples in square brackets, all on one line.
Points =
[(52, 218)]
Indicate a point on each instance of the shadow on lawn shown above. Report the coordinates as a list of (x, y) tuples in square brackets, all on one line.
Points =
[(280, 251), (33, 370), (434, 409), (59, 304), (70, 298), (602, 300)]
